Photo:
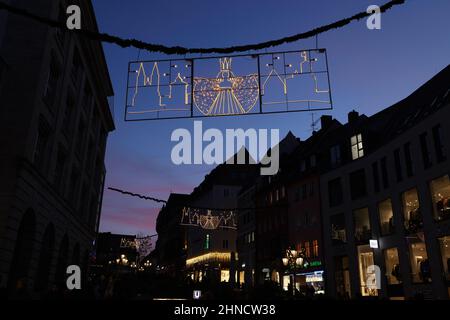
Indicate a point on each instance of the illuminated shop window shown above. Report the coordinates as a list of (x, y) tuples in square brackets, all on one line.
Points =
[(440, 193), (357, 146), (363, 231), (392, 262), (342, 277), (420, 265), (367, 277), (224, 275), (338, 233), (411, 211), (386, 217), (444, 244), (315, 248)]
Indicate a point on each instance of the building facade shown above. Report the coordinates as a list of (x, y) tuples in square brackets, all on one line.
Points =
[(385, 203), (54, 122)]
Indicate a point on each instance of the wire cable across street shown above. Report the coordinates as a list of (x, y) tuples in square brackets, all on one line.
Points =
[(179, 50)]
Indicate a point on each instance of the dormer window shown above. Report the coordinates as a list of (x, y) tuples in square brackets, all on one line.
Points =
[(357, 146)]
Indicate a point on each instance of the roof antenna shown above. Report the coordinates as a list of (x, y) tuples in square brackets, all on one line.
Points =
[(313, 122)]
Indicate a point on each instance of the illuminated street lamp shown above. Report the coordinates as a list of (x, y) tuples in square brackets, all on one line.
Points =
[(293, 260)]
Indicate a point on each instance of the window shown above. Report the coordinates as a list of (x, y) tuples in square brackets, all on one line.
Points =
[(426, 156), (76, 67), (60, 169), (411, 211), (392, 262), (444, 244), (81, 137), (420, 265), (363, 231), (342, 277), (335, 195), (315, 248), (311, 189), (440, 194), (50, 88), (384, 173), (438, 146), (207, 241), (313, 161), (304, 192), (74, 182), (225, 244), (386, 217), (307, 249), (338, 233), (398, 165), (357, 146), (302, 165), (408, 159), (367, 277), (68, 113), (358, 184), (376, 177), (42, 146), (335, 155)]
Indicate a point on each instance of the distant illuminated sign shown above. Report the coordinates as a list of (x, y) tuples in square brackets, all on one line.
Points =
[(373, 244), (315, 263), (197, 294)]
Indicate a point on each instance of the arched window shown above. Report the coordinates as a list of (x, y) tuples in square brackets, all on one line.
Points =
[(45, 258), (62, 261), (23, 252)]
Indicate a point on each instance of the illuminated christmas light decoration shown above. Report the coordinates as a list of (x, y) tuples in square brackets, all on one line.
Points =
[(240, 83), (208, 219), (227, 94), (222, 257)]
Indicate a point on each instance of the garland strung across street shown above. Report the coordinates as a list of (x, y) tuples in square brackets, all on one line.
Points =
[(179, 50), (204, 217)]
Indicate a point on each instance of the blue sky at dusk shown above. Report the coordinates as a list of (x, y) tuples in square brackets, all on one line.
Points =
[(369, 71)]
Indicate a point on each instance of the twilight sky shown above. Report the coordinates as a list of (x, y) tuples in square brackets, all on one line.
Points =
[(369, 71)]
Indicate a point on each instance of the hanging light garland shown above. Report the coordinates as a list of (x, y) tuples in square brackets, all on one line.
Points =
[(179, 50)]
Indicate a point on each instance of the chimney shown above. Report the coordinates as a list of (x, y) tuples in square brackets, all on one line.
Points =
[(325, 121), (353, 116)]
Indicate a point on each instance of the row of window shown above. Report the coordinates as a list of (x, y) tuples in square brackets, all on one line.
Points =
[(412, 215), (311, 248)]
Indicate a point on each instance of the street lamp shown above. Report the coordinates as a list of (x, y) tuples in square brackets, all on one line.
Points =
[(293, 260)]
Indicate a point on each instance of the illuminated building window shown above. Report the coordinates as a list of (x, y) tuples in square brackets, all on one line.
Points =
[(367, 278), (357, 146), (207, 241), (338, 232), (440, 193), (224, 275), (342, 277), (420, 265), (307, 249), (411, 211), (392, 262), (386, 217), (315, 248)]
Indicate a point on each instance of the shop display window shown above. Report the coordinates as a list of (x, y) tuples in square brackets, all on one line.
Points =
[(440, 194), (420, 265), (386, 217), (367, 276), (444, 244), (363, 232), (411, 211), (392, 263)]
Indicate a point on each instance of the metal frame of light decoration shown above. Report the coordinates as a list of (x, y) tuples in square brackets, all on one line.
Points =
[(189, 81)]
